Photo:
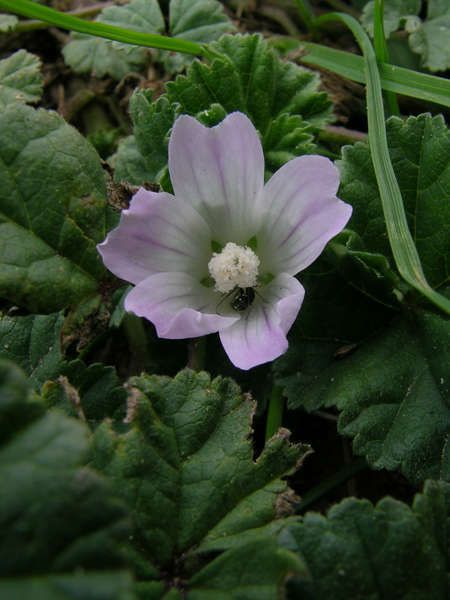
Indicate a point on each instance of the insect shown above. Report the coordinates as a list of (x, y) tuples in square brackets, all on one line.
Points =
[(241, 298)]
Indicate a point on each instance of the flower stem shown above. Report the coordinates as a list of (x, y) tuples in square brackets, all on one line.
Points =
[(274, 411), (196, 354)]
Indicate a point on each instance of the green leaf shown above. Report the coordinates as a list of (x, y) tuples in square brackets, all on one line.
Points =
[(253, 80), (276, 95), (200, 21), (8, 23), (61, 528), (128, 163), (361, 551), (20, 78), (53, 211), (90, 392), (285, 138), (32, 342), (104, 57), (393, 394), (186, 468), (394, 11), (152, 124), (432, 41), (420, 153)]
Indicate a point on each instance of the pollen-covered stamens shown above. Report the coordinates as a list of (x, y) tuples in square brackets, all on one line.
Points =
[(235, 266)]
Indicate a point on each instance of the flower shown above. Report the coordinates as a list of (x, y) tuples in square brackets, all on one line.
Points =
[(221, 254)]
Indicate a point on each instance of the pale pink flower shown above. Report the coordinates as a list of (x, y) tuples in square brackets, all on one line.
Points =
[(221, 254)]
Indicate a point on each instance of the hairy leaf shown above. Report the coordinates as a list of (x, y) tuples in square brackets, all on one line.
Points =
[(104, 57), (53, 211), (61, 528), (361, 551), (281, 99), (91, 393), (32, 342), (420, 154), (394, 396), (432, 38), (200, 21), (20, 78), (186, 468), (394, 11)]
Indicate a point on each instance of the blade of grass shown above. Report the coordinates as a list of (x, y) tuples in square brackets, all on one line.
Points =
[(382, 53), (429, 88), (305, 15), (111, 32), (402, 244)]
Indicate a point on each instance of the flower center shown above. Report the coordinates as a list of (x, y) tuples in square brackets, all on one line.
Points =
[(235, 266)]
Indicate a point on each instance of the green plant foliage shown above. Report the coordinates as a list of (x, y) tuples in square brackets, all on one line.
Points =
[(61, 528), (104, 57), (361, 551), (53, 211), (92, 393), (20, 78), (199, 21), (432, 38), (429, 38), (420, 154), (394, 396), (394, 12), (276, 95), (152, 124), (287, 137), (186, 469), (8, 23), (32, 342)]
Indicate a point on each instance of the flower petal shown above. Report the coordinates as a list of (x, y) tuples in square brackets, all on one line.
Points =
[(303, 214), (175, 304), (220, 172), (260, 335), (157, 233)]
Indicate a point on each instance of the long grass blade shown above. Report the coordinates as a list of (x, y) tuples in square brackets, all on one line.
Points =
[(429, 88), (111, 32), (382, 53), (402, 244)]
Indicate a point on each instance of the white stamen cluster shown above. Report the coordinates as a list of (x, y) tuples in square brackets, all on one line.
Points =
[(235, 266)]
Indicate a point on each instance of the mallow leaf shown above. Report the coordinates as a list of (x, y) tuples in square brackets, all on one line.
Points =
[(394, 11), (62, 529), (281, 99), (393, 394), (32, 342), (254, 80), (198, 499), (420, 152), (91, 393), (362, 552), (105, 57), (20, 78), (201, 21), (8, 23), (432, 38), (53, 211)]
